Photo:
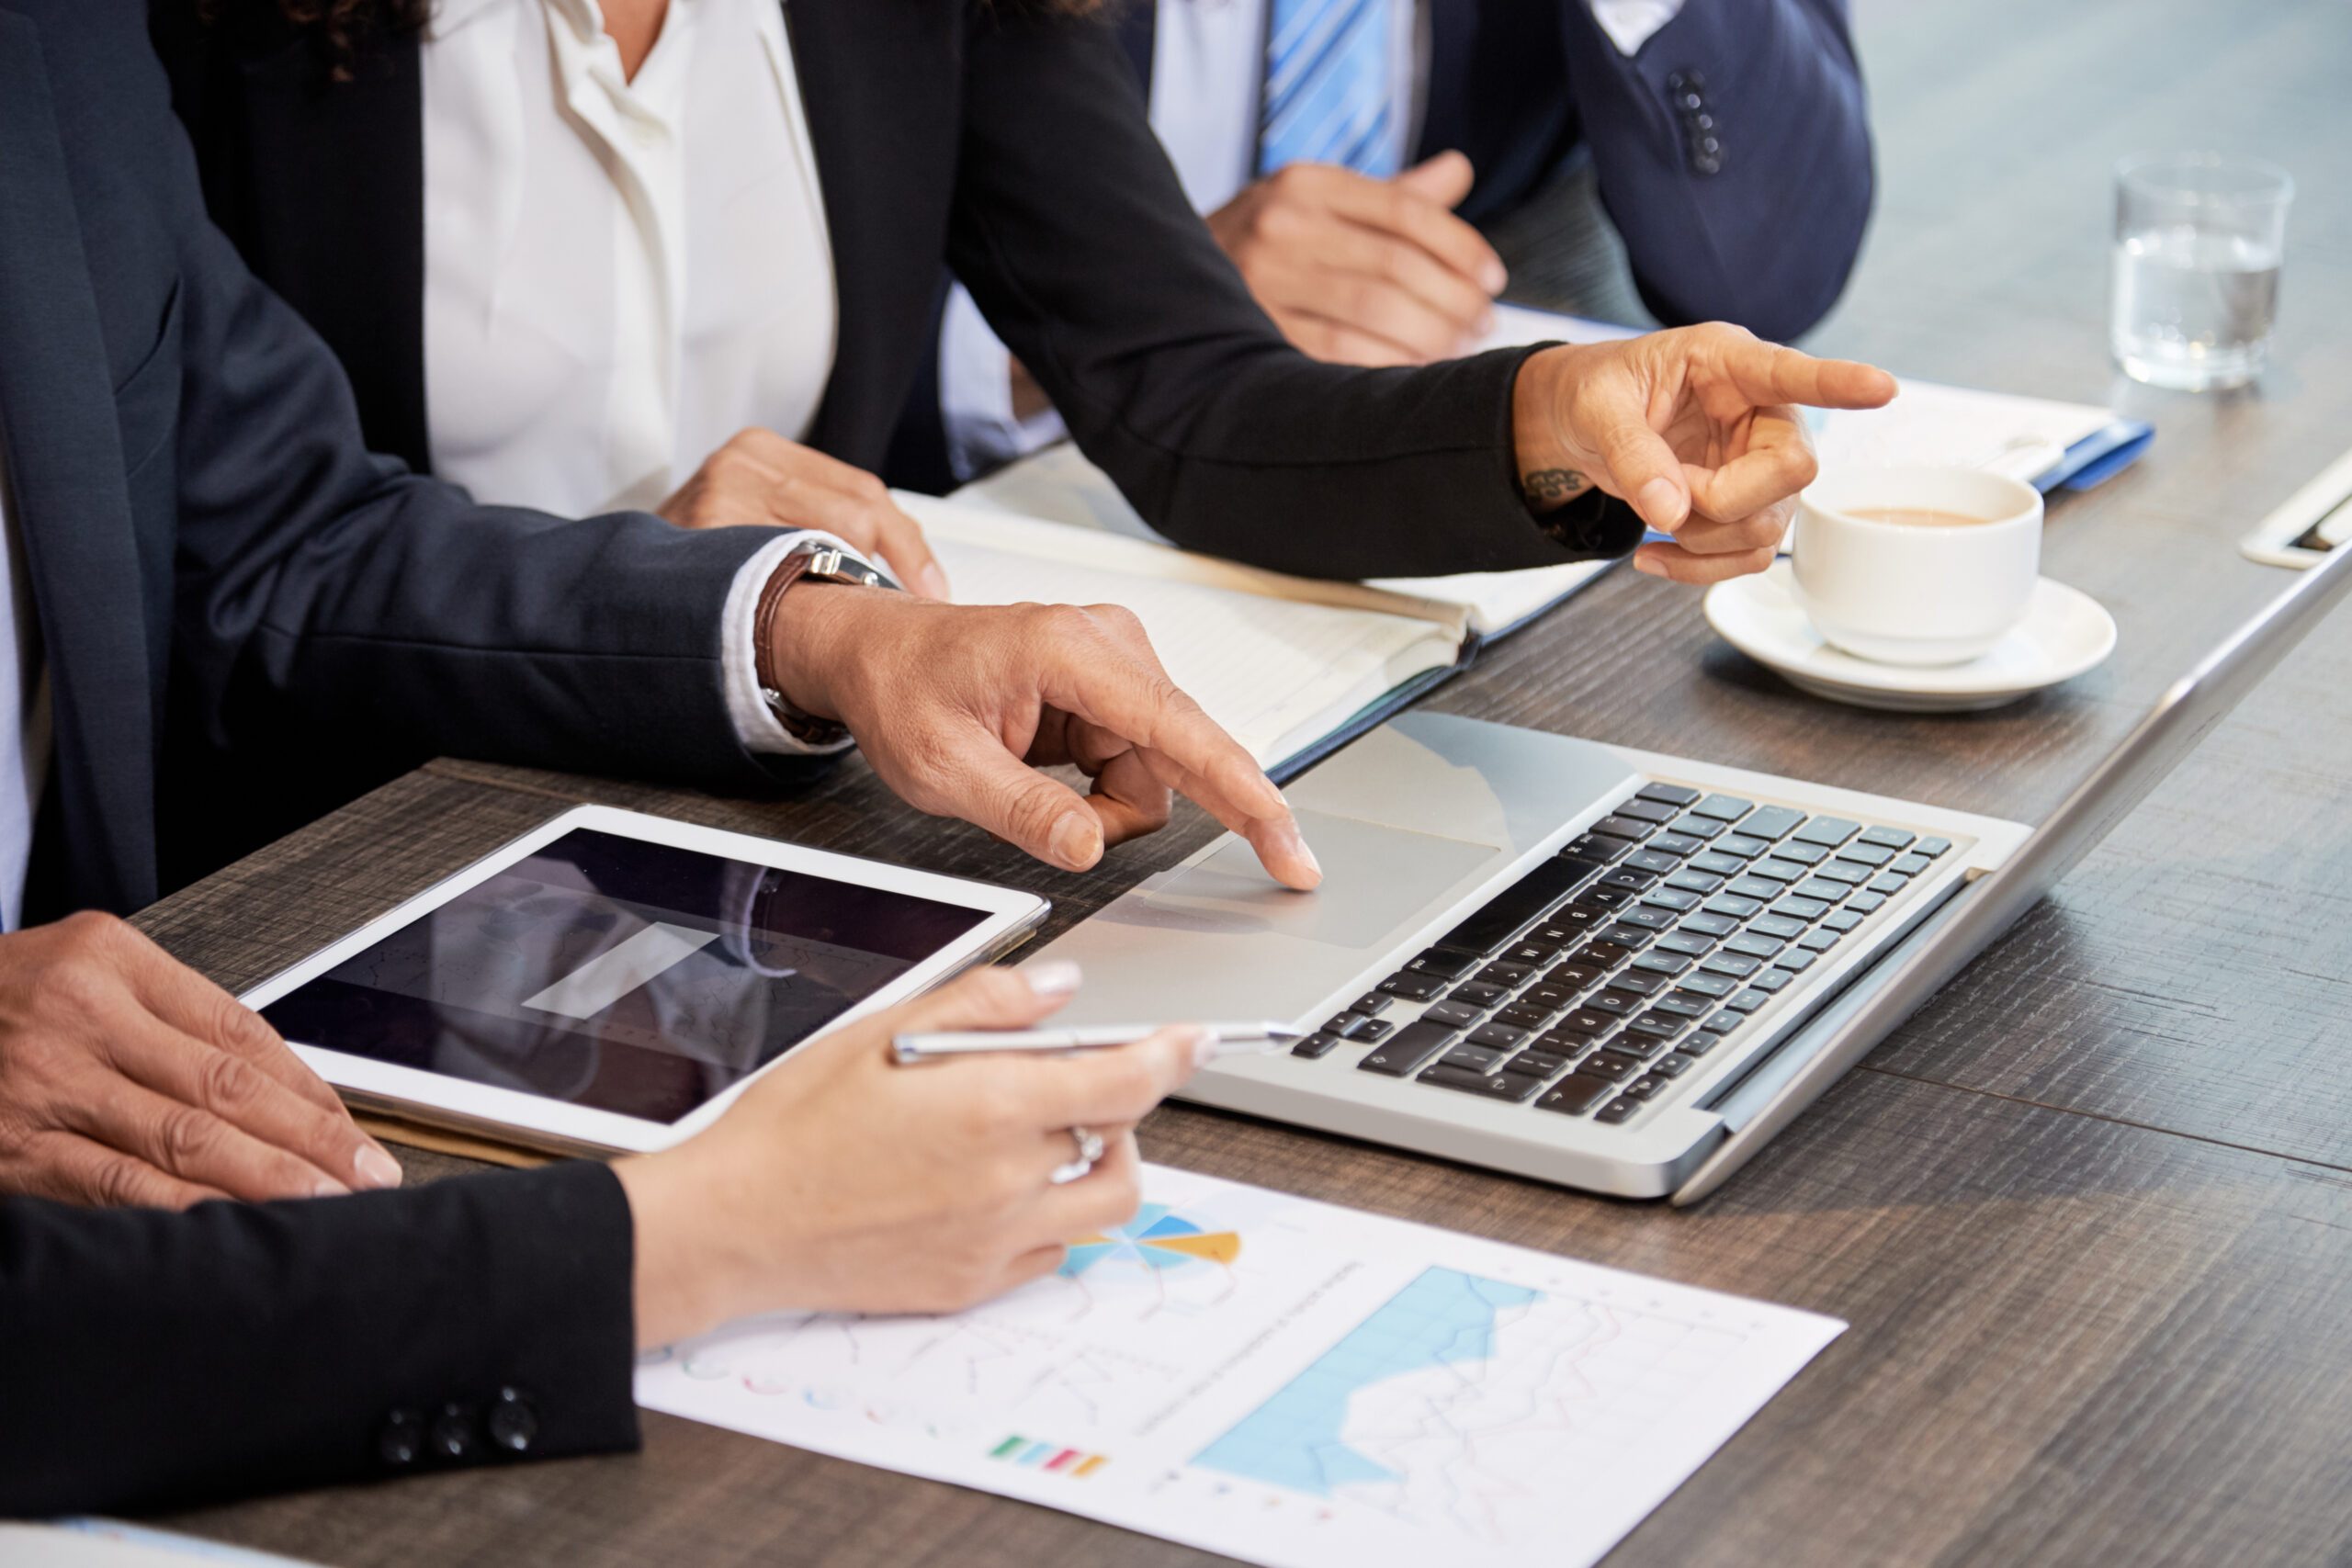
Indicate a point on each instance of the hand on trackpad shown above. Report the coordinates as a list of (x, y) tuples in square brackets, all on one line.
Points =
[(1375, 879)]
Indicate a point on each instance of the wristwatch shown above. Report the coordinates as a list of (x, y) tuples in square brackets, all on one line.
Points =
[(813, 560)]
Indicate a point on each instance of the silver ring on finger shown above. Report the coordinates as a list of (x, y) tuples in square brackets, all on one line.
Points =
[(1088, 1149)]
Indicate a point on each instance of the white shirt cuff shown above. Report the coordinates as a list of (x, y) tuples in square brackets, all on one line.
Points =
[(1631, 23), (755, 723), (975, 395)]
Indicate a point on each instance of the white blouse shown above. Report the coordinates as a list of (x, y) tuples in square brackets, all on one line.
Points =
[(619, 274)]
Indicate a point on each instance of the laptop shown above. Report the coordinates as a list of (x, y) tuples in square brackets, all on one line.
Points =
[(1610, 969)]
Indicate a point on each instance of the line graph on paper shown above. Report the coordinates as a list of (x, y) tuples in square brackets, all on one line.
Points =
[(1473, 1406)]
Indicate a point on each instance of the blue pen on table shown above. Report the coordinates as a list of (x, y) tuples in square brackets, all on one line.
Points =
[(1231, 1040)]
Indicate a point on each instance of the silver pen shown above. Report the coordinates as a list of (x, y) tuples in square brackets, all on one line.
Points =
[(1232, 1040)]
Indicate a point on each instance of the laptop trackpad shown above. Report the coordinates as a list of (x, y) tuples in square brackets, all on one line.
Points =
[(1217, 939)]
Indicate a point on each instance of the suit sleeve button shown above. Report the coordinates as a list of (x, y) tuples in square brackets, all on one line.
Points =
[(400, 1438), (513, 1421), (453, 1433)]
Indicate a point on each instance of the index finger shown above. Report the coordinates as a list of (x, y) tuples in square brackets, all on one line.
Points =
[(193, 1005), (1097, 1089), (1377, 203), (1774, 373)]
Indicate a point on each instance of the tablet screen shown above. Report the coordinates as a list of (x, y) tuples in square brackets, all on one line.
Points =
[(612, 973)]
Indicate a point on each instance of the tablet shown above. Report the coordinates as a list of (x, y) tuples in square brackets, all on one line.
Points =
[(611, 981)]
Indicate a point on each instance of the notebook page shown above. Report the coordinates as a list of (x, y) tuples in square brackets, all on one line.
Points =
[(1277, 673), (1929, 422)]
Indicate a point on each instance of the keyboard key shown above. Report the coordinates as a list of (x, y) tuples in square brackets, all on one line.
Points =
[(1828, 831), (1887, 837), (1772, 980), (1911, 865), (1652, 861), (1517, 1016), (1656, 1025), (1770, 821), (1534, 954), (1723, 807), (1819, 942), (1412, 987), (1648, 1087), (1565, 926), (1618, 1110), (1841, 921), (1444, 965), (1593, 847), (1695, 826), (1638, 982), (1738, 966), (1543, 1062), (1460, 1015), (1602, 898), (1345, 1024), (1574, 976), (1613, 1066), (1798, 908), (1550, 997), (1474, 1058), (1499, 919), (1822, 888), (1716, 863), (1676, 844), (1778, 870), (1373, 1029), (1625, 935), (1624, 827), (1710, 925), (1602, 956), (1721, 1022), (1411, 1050), (1496, 1085), (1649, 918), (1501, 1036), (1315, 1046), (1749, 1001), (1370, 1005), (1672, 899), (1796, 961), (1673, 794), (1802, 854), (1625, 879), (1668, 964), (1863, 852), (1742, 845), (1866, 903), (1781, 928), (1615, 1002), (1752, 944), (1707, 985), (1690, 943), (1699, 1044), (1680, 1004), (1931, 847), (1694, 882), (1478, 993), (1888, 883), (1733, 906), (1845, 873), (1582, 1024), (1505, 974), (1574, 1095), (1752, 887), (1655, 812)]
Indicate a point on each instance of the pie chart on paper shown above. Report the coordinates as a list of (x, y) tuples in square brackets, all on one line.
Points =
[(1158, 1237)]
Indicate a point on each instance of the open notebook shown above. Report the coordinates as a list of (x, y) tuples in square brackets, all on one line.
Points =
[(1293, 668)]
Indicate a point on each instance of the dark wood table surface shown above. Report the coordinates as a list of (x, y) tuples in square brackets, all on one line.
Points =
[(2089, 1213)]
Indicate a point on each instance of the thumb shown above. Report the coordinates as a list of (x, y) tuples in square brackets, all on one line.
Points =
[(1643, 468), (1444, 179), (1034, 813)]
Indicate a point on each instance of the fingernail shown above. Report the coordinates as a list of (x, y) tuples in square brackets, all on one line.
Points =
[(327, 1187), (1203, 1040), (1052, 977), (1076, 841), (1662, 504), (1493, 276), (376, 1168), (1295, 842), (934, 580), (1645, 564)]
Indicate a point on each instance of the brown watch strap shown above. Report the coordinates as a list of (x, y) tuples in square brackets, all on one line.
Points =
[(806, 728)]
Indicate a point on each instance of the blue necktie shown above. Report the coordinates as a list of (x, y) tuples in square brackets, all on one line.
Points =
[(1327, 82)]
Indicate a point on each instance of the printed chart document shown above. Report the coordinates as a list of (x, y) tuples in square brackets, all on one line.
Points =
[(1284, 1382)]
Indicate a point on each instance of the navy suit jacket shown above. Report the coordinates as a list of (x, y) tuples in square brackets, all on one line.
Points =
[(1761, 227)]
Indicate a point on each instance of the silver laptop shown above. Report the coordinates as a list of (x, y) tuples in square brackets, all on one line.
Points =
[(1605, 968)]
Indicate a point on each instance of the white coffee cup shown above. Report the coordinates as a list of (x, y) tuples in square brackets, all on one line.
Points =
[(1908, 593)]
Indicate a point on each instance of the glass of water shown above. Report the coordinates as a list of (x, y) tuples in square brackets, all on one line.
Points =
[(2198, 242)]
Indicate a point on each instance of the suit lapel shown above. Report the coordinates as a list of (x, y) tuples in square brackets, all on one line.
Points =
[(878, 85), (67, 498)]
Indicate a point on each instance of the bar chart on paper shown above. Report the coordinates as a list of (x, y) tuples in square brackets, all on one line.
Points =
[(1285, 1382)]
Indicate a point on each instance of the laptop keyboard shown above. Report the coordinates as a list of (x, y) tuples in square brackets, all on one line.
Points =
[(1607, 972)]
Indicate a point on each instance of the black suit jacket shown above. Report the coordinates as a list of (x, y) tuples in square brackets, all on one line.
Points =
[(1003, 139), (1733, 151)]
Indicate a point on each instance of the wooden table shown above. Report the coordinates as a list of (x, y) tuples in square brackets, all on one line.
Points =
[(2089, 1213)]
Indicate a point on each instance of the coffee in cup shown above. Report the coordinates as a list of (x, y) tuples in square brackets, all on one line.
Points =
[(1917, 565)]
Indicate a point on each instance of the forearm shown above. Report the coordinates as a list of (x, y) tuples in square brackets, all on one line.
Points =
[(1768, 238), (155, 1359)]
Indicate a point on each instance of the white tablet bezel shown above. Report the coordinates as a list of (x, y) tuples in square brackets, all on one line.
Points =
[(511, 1114), (2272, 542)]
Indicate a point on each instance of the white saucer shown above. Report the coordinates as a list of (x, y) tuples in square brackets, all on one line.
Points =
[(2065, 632)]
